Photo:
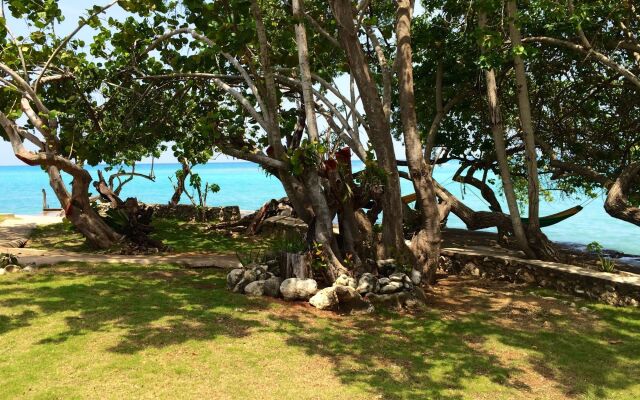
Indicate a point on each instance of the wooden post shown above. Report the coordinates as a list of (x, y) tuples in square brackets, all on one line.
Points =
[(45, 206)]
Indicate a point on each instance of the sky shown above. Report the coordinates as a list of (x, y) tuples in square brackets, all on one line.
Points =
[(72, 11)]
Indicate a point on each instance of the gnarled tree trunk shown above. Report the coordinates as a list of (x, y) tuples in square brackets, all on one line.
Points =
[(617, 204), (426, 243), (379, 128), (78, 210)]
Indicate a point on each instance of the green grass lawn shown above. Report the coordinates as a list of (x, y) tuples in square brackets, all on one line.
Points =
[(79, 331), (181, 236)]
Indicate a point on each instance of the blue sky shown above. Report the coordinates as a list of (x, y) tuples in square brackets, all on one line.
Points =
[(72, 12)]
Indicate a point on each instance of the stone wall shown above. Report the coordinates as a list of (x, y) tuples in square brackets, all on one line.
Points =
[(614, 289), (187, 212)]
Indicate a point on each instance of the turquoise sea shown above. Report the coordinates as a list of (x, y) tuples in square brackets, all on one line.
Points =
[(247, 186)]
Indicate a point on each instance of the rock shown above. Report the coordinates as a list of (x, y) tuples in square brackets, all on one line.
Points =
[(413, 300), (234, 277), (298, 289), (584, 309), (528, 277), (273, 266), (345, 280), (470, 269), (272, 286), (350, 301), (12, 268), (2, 271), (398, 277), (255, 288), (383, 281), (325, 299), (416, 276), (368, 283), (29, 269), (392, 287), (340, 298), (250, 275)]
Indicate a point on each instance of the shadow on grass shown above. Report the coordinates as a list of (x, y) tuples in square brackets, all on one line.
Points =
[(434, 355), (448, 353), (185, 236), (154, 308)]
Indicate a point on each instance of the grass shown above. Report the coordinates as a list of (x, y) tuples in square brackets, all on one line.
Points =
[(191, 236), (119, 331), (181, 236)]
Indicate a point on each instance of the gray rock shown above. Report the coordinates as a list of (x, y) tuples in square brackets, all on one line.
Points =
[(345, 280), (392, 287), (383, 281), (368, 283), (272, 286), (340, 298), (412, 300), (12, 268), (273, 266), (255, 288), (528, 277), (250, 275), (29, 269), (470, 269), (397, 277), (2, 271), (325, 299), (298, 289), (350, 301), (416, 277), (234, 277)]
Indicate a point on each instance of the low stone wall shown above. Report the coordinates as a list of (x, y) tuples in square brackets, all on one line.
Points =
[(281, 225), (614, 289), (186, 212)]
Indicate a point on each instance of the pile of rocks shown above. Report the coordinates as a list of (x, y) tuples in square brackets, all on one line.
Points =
[(350, 295), (254, 280), (9, 264), (346, 295), (12, 268)]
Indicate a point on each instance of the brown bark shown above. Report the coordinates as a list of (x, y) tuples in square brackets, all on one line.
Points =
[(78, 210), (180, 182), (497, 130), (617, 204), (426, 244), (379, 128)]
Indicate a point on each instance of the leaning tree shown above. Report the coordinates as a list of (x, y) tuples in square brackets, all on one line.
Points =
[(57, 113)]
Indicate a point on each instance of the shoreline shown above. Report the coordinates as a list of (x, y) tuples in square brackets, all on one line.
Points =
[(452, 236)]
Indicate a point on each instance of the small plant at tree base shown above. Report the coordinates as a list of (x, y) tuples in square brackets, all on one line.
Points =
[(607, 264), (250, 257), (195, 182), (319, 260), (288, 243)]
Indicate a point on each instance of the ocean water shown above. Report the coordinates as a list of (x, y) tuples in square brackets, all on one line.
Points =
[(247, 186)]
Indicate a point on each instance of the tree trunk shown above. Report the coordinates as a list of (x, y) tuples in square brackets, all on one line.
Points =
[(617, 204), (538, 241), (79, 212), (497, 130), (379, 128), (180, 182), (426, 244), (323, 230)]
